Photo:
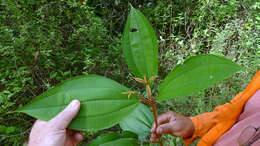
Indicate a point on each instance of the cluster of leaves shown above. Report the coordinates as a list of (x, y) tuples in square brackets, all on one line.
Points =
[(103, 101), (44, 42)]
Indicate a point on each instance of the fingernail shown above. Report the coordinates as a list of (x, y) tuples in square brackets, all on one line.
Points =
[(79, 137), (73, 104)]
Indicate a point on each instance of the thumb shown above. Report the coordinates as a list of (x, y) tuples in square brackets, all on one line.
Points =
[(164, 129), (63, 119)]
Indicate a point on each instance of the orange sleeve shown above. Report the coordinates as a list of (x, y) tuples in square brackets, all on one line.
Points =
[(212, 125)]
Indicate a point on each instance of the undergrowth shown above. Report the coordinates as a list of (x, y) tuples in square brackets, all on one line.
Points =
[(45, 42)]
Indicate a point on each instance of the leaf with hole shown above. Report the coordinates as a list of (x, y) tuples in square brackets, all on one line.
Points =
[(140, 46), (196, 73), (102, 102)]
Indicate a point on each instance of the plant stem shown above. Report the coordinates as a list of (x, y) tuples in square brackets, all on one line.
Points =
[(150, 101), (153, 101), (155, 119)]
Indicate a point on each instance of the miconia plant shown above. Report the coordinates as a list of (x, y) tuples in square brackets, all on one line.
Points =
[(105, 103)]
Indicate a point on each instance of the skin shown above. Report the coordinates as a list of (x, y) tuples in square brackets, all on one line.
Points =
[(174, 124), (55, 132)]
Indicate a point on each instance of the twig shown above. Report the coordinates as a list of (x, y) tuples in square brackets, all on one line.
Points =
[(151, 100), (148, 90)]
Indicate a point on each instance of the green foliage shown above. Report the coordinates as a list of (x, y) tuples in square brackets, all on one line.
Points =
[(102, 102), (8, 130), (122, 142), (140, 45), (110, 139), (195, 74), (140, 121), (45, 42)]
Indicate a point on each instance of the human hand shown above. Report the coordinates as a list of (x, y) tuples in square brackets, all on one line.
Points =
[(54, 132), (174, 124)]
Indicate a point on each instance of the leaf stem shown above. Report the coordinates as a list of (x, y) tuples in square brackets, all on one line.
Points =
[(156, 123), (153, 101)]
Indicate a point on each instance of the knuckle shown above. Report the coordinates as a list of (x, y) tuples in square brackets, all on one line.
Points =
[(171, 113)]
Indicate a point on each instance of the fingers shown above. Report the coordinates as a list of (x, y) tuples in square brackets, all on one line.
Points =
[(63, 119), (39, 123), (164, 126), (153, 138), (77, 138), (162, 119), (164, 129)]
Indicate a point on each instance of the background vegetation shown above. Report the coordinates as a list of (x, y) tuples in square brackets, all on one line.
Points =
[(44, 42)]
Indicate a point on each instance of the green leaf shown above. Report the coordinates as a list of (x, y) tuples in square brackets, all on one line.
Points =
[(122, 142), (140, 46), (195, 74), (104, 138), (140, 121), (102, 102), (150, 144), (125, 139)]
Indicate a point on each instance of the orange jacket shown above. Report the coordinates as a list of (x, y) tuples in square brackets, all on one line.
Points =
[(212, 125)]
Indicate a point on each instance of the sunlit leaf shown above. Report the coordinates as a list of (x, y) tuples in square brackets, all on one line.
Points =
[(102, 104), (195, 74)]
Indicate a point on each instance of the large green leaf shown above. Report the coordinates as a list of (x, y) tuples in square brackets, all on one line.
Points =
[(115, 139), (195, 74), (102, 102), (140, 121), (140, 46)]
